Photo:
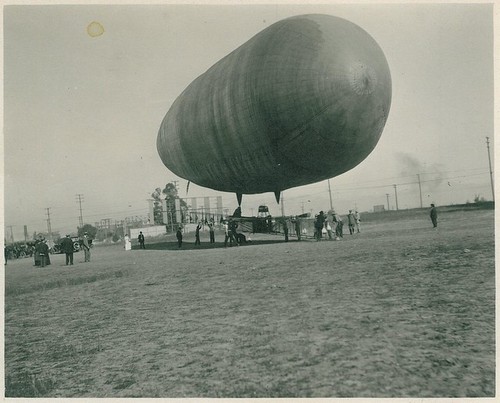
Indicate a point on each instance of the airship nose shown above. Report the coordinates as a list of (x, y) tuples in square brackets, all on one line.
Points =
[(362, 78)]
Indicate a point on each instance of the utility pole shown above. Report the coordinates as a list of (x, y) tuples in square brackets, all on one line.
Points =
[(282, 204), (79, 201), (330, 192), (49, 228), (387, 195), (491, 172), (396, 195), (420, 190)]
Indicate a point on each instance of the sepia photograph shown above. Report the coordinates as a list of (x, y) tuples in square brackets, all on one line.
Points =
[(223, 200)]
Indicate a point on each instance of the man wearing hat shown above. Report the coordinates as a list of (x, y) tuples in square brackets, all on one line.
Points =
[(86, 246), (67, 247), (140, 238)]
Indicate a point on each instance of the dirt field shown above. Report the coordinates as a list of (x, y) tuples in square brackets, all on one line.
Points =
[(399, 310)]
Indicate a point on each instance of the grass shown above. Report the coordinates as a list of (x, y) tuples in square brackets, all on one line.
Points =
[(400, 310)]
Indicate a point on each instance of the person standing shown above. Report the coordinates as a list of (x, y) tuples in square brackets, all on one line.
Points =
[(197, 235), (67, 248), (318, 225), (351, 221), (297, 229), (285, 230), (339, 232), (86, 246), (269, 224), (434, 215), (225, 226), (140, 238), (128, 244), (179, 236), (36, 255), (44, 254), (233, 235), (357, 218), (329, 230), (212, 232)]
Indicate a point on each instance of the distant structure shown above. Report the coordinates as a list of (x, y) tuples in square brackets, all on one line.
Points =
[(378, 208), (198, 208), (308, 88)]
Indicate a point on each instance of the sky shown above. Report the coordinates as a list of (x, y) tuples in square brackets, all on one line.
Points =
[(82, 107)]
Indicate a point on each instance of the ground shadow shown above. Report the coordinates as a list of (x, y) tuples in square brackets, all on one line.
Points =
[(189, 245)]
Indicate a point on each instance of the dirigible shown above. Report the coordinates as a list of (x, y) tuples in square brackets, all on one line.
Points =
[(304, 100)]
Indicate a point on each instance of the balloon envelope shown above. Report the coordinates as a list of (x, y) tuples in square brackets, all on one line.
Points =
[(304, 100)]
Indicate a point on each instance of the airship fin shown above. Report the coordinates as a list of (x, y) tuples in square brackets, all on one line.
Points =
[(239, 196), (277, 195)]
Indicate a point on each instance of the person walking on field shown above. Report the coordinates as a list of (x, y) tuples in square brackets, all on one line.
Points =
[(285, 230), (225, 226), (44, 254), (329, 230), (36, 254), (86, 246), (140, 238), (233, 235), (197, 235), (179, 237), (318, 225), (357, 217), (351, 221), (212, 232), (67, 248), (339, 233), (297, 230), (434, 215)]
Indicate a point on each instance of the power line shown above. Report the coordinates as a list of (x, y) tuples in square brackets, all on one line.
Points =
[(421, 173), (340, 189)]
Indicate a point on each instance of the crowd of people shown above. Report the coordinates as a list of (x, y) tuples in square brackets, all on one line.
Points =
[(326, 226), (231, 235), (331, 226), (42, 252)]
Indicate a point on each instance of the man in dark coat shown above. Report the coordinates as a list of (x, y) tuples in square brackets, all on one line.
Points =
[(318, 225), (434, 216), (140, 238), (233, 235), (44, 254), (179, 236), (36, 255), (197, 235), (212, 232), (297, 230), (285, 230), (67, 248)]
